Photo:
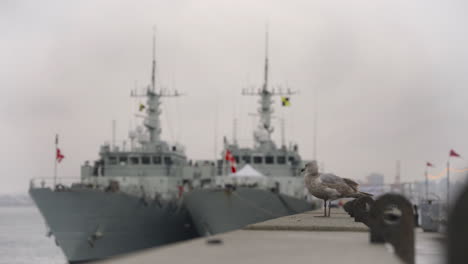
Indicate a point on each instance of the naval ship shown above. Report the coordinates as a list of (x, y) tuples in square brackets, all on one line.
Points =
[(128, 199), (268, 184)]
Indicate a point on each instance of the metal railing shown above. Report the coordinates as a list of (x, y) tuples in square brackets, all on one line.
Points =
[(53, 183)]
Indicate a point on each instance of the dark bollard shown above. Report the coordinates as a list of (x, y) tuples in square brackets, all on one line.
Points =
[(362, 208), (457, 228), (349, 207), (391, 220), (416, 215)]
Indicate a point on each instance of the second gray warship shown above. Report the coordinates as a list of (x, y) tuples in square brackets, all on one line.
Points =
[(267, 186)]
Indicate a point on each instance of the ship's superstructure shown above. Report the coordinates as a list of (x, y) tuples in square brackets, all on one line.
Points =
[(150, 166), (281, 165), (267, 185)]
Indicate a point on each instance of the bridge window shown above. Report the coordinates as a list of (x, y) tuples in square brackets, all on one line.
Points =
[(292, 160), (145, 160), (247, 159), (236, 158), (134, 160), (112, 160), (281, 159), (156, 159), (257, 159), (168, 160), (123, 160), (269, 160)]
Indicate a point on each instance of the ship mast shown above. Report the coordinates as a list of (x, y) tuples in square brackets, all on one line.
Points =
[(153, 70), (265, 81), (265, 109), (262, 135), (152, 120)]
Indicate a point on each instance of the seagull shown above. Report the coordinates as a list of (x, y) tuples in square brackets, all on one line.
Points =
[(328, 186)]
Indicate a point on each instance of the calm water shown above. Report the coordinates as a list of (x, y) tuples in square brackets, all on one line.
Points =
[(23, 238)]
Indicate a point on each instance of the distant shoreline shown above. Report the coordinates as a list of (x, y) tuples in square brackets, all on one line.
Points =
[(20, 200), (15, 205)]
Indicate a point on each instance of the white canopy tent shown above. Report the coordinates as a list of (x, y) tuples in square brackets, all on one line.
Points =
[(247, 175), (248, 172)]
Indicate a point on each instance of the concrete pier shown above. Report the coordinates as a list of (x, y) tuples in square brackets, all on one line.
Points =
[(301, 238), (312, 221)]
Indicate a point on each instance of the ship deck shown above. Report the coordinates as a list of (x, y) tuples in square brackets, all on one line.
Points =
[(301, 238)]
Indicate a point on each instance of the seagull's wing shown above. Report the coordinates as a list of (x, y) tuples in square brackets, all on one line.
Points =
[(329, 178), (337, 183), (351, 183)]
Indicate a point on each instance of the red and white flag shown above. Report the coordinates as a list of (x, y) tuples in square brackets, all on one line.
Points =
[(232, 161), (454, 154), (228, 155), (58, 154), (59, 157)]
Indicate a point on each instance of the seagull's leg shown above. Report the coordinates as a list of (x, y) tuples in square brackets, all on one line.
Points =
[(325, 208), (329, 208)]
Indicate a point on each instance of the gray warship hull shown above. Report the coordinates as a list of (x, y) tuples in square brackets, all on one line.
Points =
[(90, 224), (219, 210)]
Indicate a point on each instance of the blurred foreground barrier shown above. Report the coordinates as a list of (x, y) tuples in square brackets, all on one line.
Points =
[(390, 219), (359, 209), (362, 208), (349, 207), (457, 244)]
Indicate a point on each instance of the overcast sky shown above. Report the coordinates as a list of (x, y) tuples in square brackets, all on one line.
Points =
[(390, 76)]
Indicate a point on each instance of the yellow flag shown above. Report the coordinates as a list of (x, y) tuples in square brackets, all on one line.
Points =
[(142, 107), (285, 101)]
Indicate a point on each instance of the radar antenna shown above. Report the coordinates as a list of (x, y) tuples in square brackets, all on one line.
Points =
[(265, 81), (153, 71), (262, 135), (152, 120)]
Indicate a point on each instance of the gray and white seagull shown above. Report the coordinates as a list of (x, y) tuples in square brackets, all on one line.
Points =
[(329, 187)]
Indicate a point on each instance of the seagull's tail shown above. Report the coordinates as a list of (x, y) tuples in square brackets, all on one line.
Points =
[(361, 194)]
